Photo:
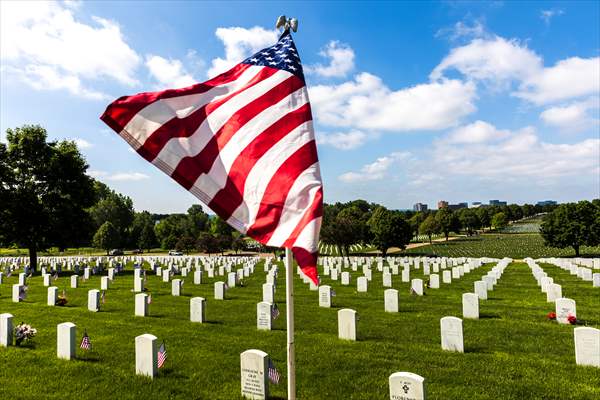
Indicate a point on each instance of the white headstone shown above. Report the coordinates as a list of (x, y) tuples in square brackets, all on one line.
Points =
[(22, 279), (197, 277), (596, 280), (219, 290), (406, 275), (264, 318), (47, 280), (52, 295), (446, 277), (254, 366), (470, 303), (387, 279), (146, 356), (362, 284), (346, 278), (481, 289), (94, 300), (452, 334), (407, 386), (65, 340), (553, 292), (6, 329), (268, 291), (564, 308), (347, 320), (231, 279), (16, 292), (325, 296), (197, 309), (587, 346), (166, 275), (74, 281), (417, 286), (176, 287), (138, 284), (141, 305), (391, 300), (434, 281), (104, 282)]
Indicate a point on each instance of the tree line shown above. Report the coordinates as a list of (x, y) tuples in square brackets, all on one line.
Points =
[(48, 200)]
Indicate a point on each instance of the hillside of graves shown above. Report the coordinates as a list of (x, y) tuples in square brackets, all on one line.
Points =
[(513, 245), (503, 347)]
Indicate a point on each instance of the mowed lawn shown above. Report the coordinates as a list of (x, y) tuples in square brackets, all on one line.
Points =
[(512, 352)]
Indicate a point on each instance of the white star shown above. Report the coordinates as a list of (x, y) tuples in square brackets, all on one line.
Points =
[(287, 60), (292, 67), (266, 53), (273, 63), (254, 59)]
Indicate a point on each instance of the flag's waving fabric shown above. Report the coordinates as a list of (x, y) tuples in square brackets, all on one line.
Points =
[(243, 143)]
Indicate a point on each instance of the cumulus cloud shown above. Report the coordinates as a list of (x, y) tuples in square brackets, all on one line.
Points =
[(170, 73), (341, 61), (477, 132), (573, 117), (118, 176), (43, 44), (367, 103), (374, 171), (462, 30), (240, 43), (500, 62), (82, 143), (569, 78), (519, 155), (343, 140)]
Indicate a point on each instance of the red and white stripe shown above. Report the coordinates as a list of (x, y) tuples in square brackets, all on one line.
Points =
[(243, 143)]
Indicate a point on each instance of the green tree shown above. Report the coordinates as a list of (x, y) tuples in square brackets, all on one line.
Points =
[(106, 237), (416, 220), (448, 221), (469, 220), (429, 227), (147, 239), (499, 220), (389, 229), (116, 208), (572, 225), (185, 244), (207, 243), (198, 220), (44, 192), (484, 217), (171, 229)]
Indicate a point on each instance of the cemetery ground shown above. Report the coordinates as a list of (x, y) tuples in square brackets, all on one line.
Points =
[(511, 352)]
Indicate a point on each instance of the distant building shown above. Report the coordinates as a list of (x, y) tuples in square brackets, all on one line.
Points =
[(420, 207), (442, 204), (458, 206), (477, 204), (497, 203), (546, 203)]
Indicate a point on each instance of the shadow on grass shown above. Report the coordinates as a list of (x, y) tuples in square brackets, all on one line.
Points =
[(489, 316)]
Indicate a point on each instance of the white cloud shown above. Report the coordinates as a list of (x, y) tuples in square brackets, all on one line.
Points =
[(477, 132), (341, 60), (44, 44), (343, 140), (240, 43), (499, 62), (462, 30), (374, 171), (547, 15), (494, 60), (118, 176), (82, 143), (367, 103), (170, 74), (569, 78), (518, 156), (573, 117)]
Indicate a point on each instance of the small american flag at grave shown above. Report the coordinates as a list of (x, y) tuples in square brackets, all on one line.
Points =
[(86, 344), (162, 355), (274, 375)]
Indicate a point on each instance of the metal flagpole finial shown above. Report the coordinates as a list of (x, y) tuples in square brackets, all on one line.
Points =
[(286, 23)]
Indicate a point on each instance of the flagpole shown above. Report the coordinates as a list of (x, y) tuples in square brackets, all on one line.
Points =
[(289, 310)]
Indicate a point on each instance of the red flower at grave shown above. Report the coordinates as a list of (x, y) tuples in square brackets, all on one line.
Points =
[(551, 316), (572, 319)]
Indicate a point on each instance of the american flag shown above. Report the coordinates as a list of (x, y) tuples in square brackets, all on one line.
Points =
[(243, 143), (85, 342), (23, 292), (274, 375), (162, 355), (275, 311), (103, 296), (149, 299)]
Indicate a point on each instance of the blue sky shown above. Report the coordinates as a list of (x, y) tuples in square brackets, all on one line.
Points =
[(413, 101)]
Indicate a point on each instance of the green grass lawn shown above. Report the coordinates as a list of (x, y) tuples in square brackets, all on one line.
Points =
[(498, 245), (512, 352)]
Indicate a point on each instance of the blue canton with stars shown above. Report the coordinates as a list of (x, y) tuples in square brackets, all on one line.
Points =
[(282, 55)]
